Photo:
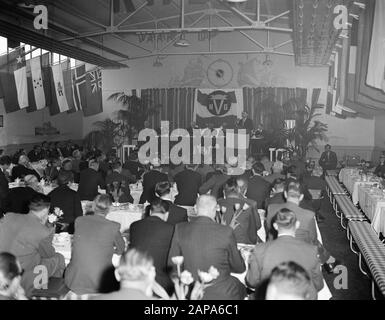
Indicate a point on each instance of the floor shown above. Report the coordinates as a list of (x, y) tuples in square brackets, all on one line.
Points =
[(334, 239)]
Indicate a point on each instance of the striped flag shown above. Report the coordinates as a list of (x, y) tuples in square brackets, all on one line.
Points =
[(93, 91), (79, 86), (376, 64), (13, 80)]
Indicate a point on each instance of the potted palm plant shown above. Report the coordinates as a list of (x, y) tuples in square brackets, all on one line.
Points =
[(307, 131), (136, 111), (107, 135)]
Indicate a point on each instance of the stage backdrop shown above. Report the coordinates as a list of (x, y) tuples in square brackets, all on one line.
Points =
[(260, 103)]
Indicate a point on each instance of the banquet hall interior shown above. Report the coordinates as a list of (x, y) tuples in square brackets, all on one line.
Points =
[(192, 150)]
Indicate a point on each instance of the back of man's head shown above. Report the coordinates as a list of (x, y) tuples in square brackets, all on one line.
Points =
[(242, 184), (39, 202), (117, 166), (279, 185), (277, 167), (206, 205), (231, 186), (163, 188), (285, 219), (64, 177), (93, 164), (258, 168), (159, 206), (289, 281), (293, 191), (5, 161)]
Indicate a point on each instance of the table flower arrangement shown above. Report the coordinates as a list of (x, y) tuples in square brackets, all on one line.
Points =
[(55, 216), (186, 287)]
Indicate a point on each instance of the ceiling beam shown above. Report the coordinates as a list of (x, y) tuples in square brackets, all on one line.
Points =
[(237, 12)]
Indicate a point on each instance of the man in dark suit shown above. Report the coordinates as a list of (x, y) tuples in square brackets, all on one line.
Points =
[(23, 169), (35, 154), (67, 200), (30, 240), (188, 182), (204, 243), (248, 222), (133, 165), (90, 180), (328, 160), (307, 230), (245, 123), (118, 185), (153, 235), (215, 183), (96, 239), (5, 162), (176, 214), (266, 256), (150, 179), (258, 188), (19, 198)]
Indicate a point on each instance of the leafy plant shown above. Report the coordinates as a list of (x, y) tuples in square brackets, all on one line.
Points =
[(108, 135), (136, 111), (307, 131)]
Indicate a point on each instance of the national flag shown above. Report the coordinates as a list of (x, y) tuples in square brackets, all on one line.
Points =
[(37, 83), (14, 81), (45, 76), (94, 103), (59, 98), (376, 64), (79, 86), (217, 107)]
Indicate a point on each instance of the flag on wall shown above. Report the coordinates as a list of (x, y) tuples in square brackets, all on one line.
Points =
[(13, 80), (376, 63), (37, 83), (79, 86), (59, 98), (217, 107), (93, 91)]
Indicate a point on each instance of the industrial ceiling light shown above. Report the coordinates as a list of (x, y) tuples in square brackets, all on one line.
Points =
[(182, 42), (157, 63), (267, 61)]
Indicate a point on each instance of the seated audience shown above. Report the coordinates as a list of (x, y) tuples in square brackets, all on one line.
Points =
[(150, 179), (133, 165), (67, 200), (204, 243), (5, 163), (380, 169), (292, 176), (276, 170), (29, 238), (267, 164), (136, 275), (188, 182), (176, 214), (96, 239), (153, 235), (266, 256), (215, 183), (289, 281), (90, 181), (258, 188), (307, 230), (10, 276), (52, 171), (246, 227), (118, 185), (35, 154), (277, 193), (23, 169), (19, 198)]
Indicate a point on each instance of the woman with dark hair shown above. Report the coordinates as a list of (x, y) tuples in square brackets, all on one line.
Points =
[(10, 276)]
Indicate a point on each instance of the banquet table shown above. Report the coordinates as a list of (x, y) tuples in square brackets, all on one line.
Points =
[(352, 179), (372, 203), (136, 190)]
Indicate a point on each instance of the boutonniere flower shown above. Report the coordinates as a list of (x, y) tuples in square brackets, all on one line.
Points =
[(58, 212), (237, 206), (245, 207), (52, 218), (205, 276)]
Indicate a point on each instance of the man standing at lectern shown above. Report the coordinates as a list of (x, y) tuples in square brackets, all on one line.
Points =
[(245, 123)]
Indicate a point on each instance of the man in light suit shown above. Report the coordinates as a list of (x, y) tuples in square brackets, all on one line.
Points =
[(328, 160), (204, 243), (30, 240), (266, 256)]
